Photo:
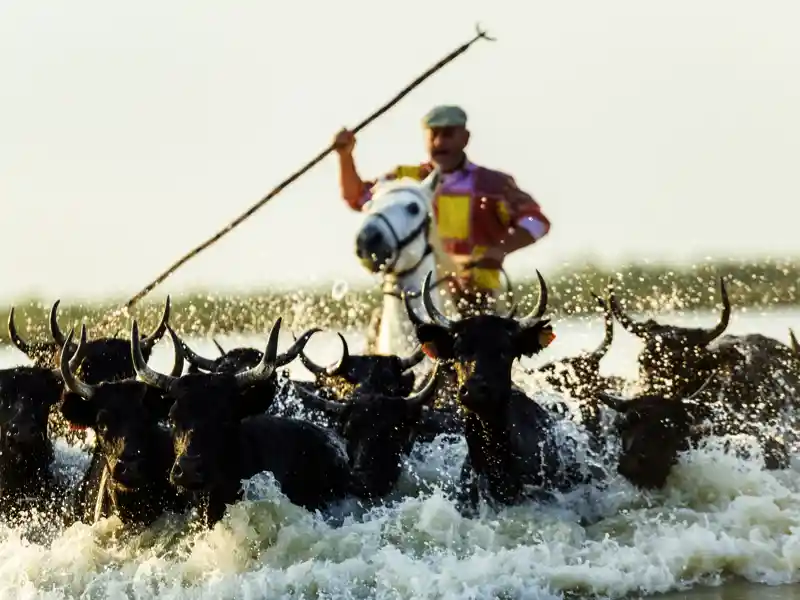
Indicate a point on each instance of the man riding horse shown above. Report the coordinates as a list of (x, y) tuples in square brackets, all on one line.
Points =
[(481, 214)]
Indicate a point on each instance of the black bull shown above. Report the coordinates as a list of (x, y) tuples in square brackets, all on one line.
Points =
[(365, 373), (512, 440), (26, 452), (129, 472), (653, 430), (218, 439), (378, 430), (752, 371)]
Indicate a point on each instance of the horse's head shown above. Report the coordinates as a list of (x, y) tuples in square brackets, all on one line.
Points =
[(394, 236)]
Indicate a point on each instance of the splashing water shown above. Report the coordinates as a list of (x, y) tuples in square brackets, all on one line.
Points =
[(720, 516)]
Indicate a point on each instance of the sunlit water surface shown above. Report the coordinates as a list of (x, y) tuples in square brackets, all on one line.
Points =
[(722, 522)]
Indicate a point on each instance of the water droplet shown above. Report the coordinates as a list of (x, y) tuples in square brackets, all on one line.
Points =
[(339, 290)]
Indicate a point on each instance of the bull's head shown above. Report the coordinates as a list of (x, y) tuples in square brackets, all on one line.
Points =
[(207, 409), (654, 430), (378, 429), (674, 360), (235, 360), (26, 396), (580, 375), (260, 394), (365, 373), (124, 416), (108, 359), (482, 348)]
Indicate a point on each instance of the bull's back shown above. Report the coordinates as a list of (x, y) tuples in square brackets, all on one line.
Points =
[(543, 450), (761, 367), (304, 458)]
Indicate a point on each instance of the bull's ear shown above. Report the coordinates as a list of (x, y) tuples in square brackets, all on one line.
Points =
[(78, 411), (534, 339), (436, 341)]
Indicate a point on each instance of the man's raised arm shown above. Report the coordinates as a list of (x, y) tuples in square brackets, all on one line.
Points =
[(353, 189)]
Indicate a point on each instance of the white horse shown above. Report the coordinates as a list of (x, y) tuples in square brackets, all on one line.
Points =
[(399, 239)]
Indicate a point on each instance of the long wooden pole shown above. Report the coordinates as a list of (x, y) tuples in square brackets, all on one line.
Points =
[(479, 34)]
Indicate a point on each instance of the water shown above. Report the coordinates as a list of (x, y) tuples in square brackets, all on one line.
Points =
[(722, 529)]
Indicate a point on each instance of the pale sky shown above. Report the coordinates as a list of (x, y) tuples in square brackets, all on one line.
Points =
[(130, 131)]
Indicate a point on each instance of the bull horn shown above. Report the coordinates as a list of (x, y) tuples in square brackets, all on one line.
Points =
[(149, 341), (299, 345), (177, 365), (541, 306), (219, 347), (201, 362), (74, 385), (413, 360), (412, 315), (316, 402), (608, 336), (629, 324), (613, 402), (792, 340), (268, 363), (331, 369), (55, 330), (426, 394), (21, 344), (726, 314), (143, 370), (433, 313), (80, 351)]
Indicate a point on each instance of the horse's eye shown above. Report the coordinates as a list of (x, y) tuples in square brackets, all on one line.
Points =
[(412, 209)]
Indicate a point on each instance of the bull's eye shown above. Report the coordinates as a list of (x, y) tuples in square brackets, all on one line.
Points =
[(412, 209)]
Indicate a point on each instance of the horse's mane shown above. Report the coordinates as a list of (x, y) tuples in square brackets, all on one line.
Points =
[(445, 265)]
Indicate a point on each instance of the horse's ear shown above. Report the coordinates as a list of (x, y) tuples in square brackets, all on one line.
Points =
[(432, 180)]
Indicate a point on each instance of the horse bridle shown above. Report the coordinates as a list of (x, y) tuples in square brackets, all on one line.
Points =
[(409, 239), (400, 244)]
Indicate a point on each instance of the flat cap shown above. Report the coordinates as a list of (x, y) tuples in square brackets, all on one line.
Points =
[(445, 116)]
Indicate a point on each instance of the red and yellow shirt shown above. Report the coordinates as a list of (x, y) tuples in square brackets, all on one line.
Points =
[(472, 213)]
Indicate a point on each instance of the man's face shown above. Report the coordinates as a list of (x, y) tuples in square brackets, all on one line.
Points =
[(446, 145)]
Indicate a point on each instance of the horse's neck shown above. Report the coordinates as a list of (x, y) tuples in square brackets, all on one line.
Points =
[(397, 335)]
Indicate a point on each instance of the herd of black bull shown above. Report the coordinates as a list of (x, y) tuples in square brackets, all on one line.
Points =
[(167, 442)]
